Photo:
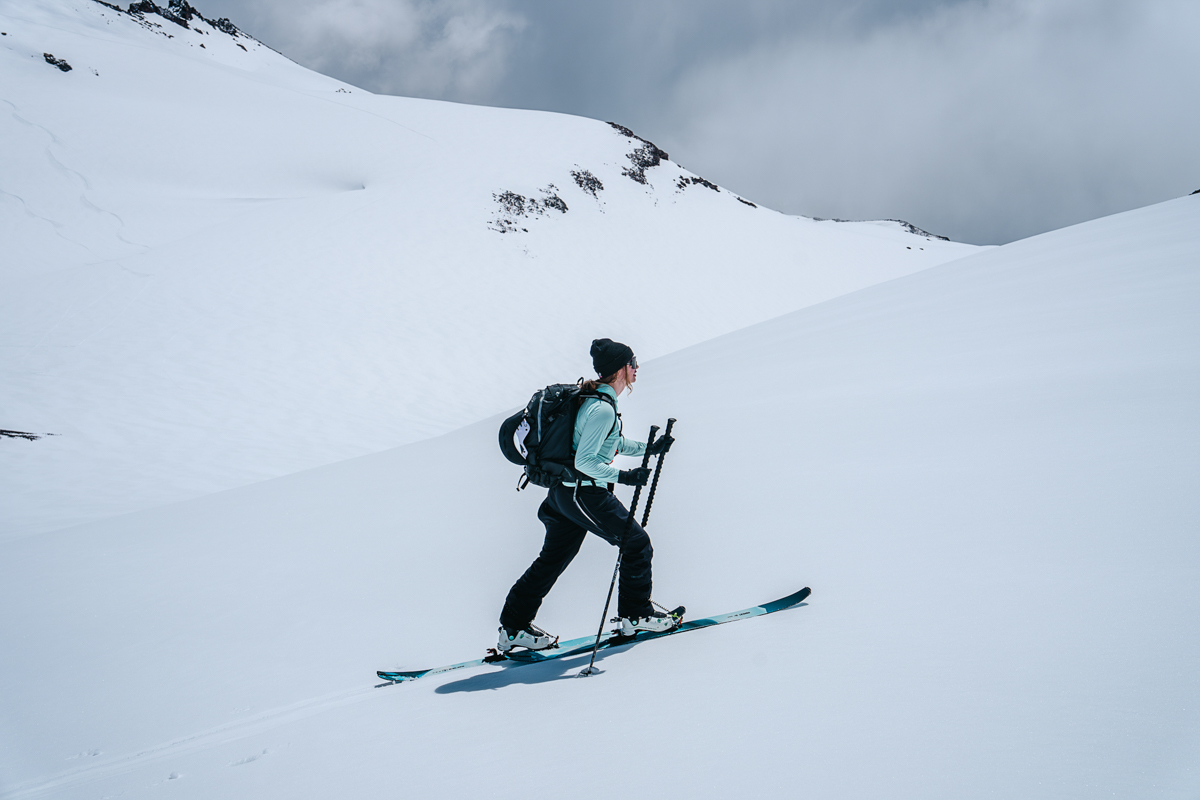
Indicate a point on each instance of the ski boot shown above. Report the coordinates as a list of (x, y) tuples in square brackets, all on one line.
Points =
[(530, 637), (654, 622)]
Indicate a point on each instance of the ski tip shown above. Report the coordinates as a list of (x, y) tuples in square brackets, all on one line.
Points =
[(789, 601)]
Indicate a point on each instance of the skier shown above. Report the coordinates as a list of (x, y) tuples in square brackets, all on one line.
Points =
[(572, 508)]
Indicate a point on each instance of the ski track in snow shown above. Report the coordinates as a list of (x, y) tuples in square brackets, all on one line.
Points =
[(71, 173), (55, 224), (204, 740)]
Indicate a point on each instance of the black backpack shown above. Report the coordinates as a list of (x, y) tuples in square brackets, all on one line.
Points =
[(539, 436)]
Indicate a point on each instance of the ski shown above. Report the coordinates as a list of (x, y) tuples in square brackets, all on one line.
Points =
[(608, 640)]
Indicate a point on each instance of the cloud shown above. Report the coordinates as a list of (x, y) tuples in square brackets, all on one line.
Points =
[(423, 48), (986, 122)]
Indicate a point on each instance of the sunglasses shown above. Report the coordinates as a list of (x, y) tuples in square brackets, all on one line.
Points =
[(633, 362)]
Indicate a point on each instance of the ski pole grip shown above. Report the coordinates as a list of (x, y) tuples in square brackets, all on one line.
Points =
[(650, 441)]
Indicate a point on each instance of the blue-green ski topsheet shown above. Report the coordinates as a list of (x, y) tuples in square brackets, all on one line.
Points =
[(586, 643)]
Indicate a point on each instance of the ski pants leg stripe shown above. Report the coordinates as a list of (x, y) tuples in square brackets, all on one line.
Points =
[(569, 514)]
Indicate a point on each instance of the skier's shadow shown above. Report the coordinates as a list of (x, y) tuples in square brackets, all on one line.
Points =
[(565, 668), (558, 669)]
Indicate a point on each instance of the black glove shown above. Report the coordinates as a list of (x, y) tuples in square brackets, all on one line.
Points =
[(634, 477), (661, 445)]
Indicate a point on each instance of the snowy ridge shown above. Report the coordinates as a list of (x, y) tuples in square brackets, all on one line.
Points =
[(222, 267), (181, 13)]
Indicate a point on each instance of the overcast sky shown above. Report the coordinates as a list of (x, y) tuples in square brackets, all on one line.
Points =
[(983, 121)]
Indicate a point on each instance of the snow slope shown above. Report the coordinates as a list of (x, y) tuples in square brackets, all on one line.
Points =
[(987, 472), (221, 267)]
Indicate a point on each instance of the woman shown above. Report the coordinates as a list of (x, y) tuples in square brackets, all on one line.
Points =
[(572, 508)]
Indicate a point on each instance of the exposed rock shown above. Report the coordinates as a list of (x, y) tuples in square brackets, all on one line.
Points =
[(511, 203), (588, 182), (179, 12), (145, 7), (1195, 192), (908, 226), (644, 157), (685, 182), (555, 202), (747, 202), (61, 63), (913, 229), (514, 206), (33, 437), (182, 11)]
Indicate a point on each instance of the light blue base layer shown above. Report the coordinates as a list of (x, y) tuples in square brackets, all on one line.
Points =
[(586, 643)]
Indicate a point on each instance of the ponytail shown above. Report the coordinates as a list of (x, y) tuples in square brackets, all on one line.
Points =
[(590, 386)]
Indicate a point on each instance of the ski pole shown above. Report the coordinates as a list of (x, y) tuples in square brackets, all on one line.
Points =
[(657, 469), (590, 669)]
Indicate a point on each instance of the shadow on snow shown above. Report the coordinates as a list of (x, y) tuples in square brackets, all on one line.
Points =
[(557, 669), (565, 668)]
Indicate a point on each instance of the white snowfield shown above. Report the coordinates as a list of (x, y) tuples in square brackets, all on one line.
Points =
[(986, 471), (220, 267)]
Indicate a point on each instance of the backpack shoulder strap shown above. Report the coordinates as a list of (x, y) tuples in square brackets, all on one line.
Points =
[(603, 396)]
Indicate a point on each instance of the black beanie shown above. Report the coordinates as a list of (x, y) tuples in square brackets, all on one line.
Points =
[(609, 356)]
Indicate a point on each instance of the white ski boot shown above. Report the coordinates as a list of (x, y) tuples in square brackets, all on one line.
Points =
[(656, 622), (530, 636)]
